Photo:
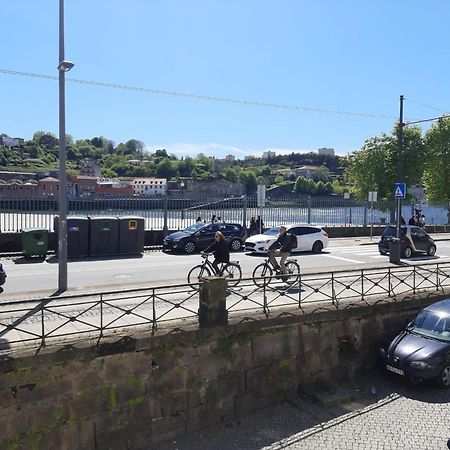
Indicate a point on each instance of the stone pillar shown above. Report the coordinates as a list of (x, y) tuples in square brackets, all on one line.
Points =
[(212, 310)]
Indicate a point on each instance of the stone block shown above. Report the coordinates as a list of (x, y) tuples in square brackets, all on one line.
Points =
[(225, 386), (276, 345), (202, 416), (165, 428), (33, 394), (249, 402)]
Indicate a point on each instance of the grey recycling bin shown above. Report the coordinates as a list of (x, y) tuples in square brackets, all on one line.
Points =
[(103, 236), (77, 236), (394, 251), (131, 235)]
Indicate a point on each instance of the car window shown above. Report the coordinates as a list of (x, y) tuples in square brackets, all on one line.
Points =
[(229, 228), (210, 229), (392, 231), (418, 232), (272, 231), (431, 324), (301, 231), (193, 228)]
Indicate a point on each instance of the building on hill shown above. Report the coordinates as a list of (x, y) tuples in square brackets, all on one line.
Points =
[(268, 155), (16, 188), (90, 168), (114, 188), (216, 189), (325, 151), (6, 141), (149, 187), (48, 186)]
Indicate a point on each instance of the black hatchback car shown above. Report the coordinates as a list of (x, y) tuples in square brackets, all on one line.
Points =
[(422, 350), (2, 275), (413, 240), (201, 235)]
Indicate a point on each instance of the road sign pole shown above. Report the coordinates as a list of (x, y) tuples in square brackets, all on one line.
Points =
[(400, 164)]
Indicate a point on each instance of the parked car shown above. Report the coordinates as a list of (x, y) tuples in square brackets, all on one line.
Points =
[(422, 350), (413, 240), (2, 275), (309, 238), (200, 236)]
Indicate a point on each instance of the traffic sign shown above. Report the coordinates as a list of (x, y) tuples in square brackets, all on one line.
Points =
[(373, 196), (400, 190)]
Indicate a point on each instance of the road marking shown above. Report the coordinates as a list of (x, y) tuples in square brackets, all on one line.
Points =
[(344, 259)]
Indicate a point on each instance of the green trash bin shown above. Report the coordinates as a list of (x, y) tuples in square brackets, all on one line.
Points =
[(34, 242)]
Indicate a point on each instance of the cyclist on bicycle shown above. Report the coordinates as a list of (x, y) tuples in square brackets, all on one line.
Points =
[(281, 247), (220, 250)]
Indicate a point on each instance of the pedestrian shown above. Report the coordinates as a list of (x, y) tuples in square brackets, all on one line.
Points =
[(412, 220), (219, 219), (259, 225), (199, 220), (213, 218), (422, 221), (402, 221), (220, 250), (252, 227)]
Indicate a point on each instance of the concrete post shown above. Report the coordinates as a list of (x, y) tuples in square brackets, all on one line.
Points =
[(166, 211), (212, 310)]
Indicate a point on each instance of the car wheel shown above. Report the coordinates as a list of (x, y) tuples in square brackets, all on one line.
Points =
[(444, 377), (189, 247), (235, 245), (317, 247), (407, 252), (383, 252), (431, 250)]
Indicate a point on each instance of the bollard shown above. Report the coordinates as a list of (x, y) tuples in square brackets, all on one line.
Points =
[(212, 310), (394, 251)]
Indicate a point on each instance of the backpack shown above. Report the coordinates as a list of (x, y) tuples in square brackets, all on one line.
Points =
[(294, 241)]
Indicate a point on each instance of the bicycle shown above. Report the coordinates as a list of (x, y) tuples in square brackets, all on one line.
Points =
[(231, 271), (266, 270)]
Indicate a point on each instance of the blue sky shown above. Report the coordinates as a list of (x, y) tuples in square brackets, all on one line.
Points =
[(349, 55)]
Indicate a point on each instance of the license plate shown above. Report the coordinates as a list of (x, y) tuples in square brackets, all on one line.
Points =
[(395, 370)]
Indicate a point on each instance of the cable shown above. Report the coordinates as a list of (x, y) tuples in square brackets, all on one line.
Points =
[(427, 106), (199, 97)]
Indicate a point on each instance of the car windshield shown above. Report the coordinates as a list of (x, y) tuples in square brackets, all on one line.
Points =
[(431, 324), (272, 231), (194, 228), (392, 231)]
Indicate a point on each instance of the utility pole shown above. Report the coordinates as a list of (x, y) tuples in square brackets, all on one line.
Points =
[(400, 165)]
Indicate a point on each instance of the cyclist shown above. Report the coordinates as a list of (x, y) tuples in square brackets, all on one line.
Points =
[(281, 247), (220, 250)]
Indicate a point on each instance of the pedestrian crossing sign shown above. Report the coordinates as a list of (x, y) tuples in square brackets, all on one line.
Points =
[(400, 190)]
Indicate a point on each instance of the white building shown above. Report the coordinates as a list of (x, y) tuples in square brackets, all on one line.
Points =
[(326, 151), (149, 187), (269, 155)]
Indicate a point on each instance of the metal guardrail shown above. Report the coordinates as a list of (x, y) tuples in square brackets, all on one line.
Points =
[(177, 213), (99, 315)]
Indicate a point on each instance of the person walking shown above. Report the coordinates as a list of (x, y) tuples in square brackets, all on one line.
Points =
[(252, 227), (213, 218), (219, 248), (199, 220), (281, 247), (259, 225), (412, 220)]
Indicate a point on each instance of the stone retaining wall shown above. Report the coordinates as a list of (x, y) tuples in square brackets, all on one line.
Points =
[(143, 390)]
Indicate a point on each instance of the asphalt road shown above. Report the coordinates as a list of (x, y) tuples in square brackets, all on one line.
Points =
[(37, 277)]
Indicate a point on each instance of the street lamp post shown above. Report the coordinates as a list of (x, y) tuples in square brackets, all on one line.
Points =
[(400, 166), (63, 67)]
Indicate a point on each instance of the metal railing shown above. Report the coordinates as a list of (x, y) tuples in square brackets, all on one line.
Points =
[(177, 213), (169, 308)]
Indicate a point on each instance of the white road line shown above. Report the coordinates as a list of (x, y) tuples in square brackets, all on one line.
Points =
[(344, 259), (380, 256)]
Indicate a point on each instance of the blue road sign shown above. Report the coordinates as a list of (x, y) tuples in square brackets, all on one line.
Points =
[(400, 190)]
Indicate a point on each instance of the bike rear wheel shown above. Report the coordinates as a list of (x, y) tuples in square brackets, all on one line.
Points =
[(232, 272), (262, 270), (293, 272), (197, 273)]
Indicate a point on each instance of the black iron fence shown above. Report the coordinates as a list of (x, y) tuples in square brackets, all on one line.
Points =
[(171, 308), (177, 213)]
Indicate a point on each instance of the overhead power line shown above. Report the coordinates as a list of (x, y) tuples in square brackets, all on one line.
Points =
[(426, 106), (199, 97)]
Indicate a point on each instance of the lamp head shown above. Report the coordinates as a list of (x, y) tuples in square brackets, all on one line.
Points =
[(65, 66)]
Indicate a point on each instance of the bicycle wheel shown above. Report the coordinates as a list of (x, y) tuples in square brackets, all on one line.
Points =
[(262, 270), (293, 272), (233, 273), (197, 273)]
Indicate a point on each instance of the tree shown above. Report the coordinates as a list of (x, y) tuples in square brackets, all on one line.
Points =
[(166, 169), (436, 177), (248, 178)]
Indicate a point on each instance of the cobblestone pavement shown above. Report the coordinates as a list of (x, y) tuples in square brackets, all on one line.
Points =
[(381, 412)]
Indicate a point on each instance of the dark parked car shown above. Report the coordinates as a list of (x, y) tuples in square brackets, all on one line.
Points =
[(2, 275), (412, 240), (199, 236), (422, 350)]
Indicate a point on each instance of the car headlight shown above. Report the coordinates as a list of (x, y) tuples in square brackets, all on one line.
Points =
[(420, 365)]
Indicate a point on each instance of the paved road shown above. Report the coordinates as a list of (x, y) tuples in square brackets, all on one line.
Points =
[(39, 278), (379, 412)]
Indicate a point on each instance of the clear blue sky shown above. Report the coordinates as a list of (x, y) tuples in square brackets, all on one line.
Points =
[(348, 55)]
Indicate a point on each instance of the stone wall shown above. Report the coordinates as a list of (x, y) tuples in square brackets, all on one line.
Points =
[(143, 390)]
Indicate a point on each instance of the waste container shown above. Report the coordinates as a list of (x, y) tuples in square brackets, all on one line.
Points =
[(103, 236), (34, 242), (131, 235), (77, 236), (394, 251)]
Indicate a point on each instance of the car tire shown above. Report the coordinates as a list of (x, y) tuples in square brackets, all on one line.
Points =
[(189, 247), (407, 252), (383, 252), (317, 247), (444, 377), (235, 245), (431, 250)]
